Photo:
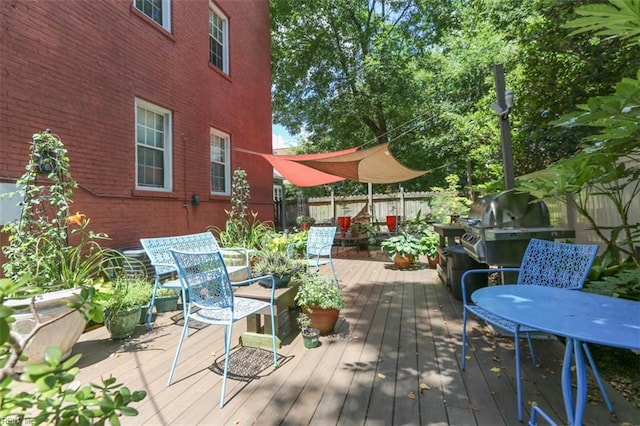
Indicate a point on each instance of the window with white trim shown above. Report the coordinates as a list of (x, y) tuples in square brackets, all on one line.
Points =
[(153, 146), (220, 163), (157, 10), (218, 39)]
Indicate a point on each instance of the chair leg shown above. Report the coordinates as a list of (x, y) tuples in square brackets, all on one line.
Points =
[(533, 353), (227, 350), (596, 375), (175, 358), (464, 339), (152, 303), (333, 268), (274, 333), (516, 342), (185, 306)]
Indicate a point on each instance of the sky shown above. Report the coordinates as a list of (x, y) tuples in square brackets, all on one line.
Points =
[(280, 137)]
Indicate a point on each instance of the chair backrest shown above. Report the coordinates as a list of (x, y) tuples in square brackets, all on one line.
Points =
[(319, 240), (159, 249), (555, 264), (205, 276)]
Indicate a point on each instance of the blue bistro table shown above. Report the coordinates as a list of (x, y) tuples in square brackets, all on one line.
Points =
[(577, 315)]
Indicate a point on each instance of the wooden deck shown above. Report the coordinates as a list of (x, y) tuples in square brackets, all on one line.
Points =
[(400, 331)]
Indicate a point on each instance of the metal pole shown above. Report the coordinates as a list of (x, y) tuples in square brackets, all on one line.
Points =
[(505, 129)]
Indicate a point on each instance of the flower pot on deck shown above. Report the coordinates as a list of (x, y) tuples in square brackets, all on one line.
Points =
[(402, 261), (123, 323), (310, 337), (63, 332), (322, 319), (166, 303)]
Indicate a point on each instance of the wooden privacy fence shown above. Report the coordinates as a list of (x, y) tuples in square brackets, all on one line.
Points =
[(326, 209)]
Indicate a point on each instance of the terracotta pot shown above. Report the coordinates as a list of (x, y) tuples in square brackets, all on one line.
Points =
[(402, 262), (322, 319), (433, 261), (304, 226)]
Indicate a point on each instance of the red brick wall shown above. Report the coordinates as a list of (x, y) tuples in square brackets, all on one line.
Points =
[(76, 66)]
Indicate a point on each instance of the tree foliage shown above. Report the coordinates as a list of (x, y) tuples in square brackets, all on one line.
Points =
[(419, 73)]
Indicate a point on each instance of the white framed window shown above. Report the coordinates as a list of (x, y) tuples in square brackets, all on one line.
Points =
[(220, 163), (153, 147), (157, 10), (218, 39)]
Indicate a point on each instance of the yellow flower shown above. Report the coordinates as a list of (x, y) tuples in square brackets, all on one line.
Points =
[(77, 219)]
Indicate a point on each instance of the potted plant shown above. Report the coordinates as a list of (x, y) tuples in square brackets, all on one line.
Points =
[(305, 222), (309, 334), (277, 264), (430, 241), (321, 300), (167, 299), (55, 251), (30, 392), (123, 305), (403, 249)]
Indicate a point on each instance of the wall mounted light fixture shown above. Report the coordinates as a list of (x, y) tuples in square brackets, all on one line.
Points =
[(195, 200)]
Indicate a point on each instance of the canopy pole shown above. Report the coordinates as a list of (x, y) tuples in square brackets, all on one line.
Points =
[(333, 207), (370, 200)]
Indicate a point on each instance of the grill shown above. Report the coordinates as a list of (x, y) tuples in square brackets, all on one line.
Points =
[(499, 227)]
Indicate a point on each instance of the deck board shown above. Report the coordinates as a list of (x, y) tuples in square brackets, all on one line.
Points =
[(399, 329)]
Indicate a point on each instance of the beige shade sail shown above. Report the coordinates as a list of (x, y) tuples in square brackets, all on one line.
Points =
[(372, 165)]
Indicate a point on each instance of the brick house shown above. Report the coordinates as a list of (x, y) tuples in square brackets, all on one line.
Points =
[(150, 97)]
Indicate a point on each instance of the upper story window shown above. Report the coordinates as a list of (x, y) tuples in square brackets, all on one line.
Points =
[(153, 146), (220, 163), (157, 10), (218, 39)]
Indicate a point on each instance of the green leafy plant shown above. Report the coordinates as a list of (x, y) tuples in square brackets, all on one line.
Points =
[(320, 291), (403, 244), (304, 322), (48, 244), (430, 241), (305, 219), (447, 203), (277, 263), (47, 392), (124, 293), (242, 228), (167, 292)]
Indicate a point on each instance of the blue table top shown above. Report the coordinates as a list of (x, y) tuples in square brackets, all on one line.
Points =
[(574, 314)]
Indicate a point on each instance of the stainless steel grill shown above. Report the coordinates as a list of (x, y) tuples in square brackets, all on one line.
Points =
[(499, 227)]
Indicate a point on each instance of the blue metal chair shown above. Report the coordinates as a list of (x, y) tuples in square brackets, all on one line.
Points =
[(206, 278), (537, 411), (159, 252), (319, 247), (546, 263)]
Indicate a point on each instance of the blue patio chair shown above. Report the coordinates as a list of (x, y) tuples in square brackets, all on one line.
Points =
[(159, 252), (537, 411), (319, 247), (206, 278), (546, 263)]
